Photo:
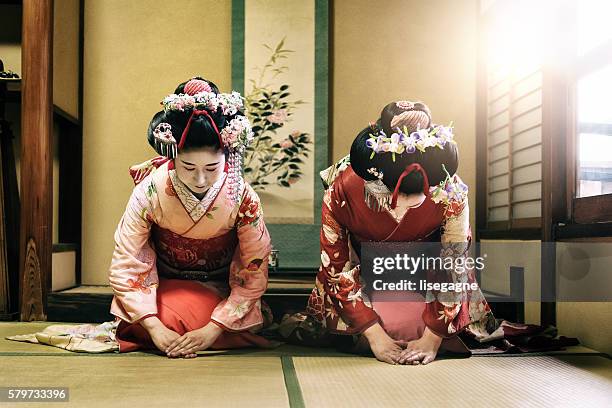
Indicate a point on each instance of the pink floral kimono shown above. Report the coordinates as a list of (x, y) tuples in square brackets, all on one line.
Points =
[(189, 261)]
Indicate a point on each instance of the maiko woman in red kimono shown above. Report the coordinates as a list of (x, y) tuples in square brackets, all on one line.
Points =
[(191, 251), (398, 185)]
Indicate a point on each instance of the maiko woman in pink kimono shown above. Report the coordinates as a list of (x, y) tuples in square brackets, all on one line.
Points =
[(191, 251)]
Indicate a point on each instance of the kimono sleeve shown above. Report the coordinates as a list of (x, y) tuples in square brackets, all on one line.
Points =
[(133, 273), (447, 313), (248, 271), (341, 285)]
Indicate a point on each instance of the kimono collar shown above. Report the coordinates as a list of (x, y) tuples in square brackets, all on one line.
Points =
[(194, 207)]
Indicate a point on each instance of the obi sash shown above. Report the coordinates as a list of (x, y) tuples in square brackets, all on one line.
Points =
[(203, 260)]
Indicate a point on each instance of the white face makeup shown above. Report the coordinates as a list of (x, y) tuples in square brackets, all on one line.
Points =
[(199, 168)]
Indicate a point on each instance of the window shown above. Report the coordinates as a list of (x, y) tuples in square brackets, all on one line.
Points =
[(592, 113), (513, 74)]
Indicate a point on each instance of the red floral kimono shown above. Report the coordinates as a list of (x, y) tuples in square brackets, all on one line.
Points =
[(188, 261), (338, 301)]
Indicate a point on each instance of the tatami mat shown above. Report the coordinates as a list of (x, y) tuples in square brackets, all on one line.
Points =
[(8, 347), (565, 381), (297, 376), (152, 381)]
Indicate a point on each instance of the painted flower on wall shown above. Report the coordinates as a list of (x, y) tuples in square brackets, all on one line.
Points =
[(278, 116), (273, 159)]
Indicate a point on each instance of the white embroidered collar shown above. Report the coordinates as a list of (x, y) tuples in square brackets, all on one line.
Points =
[(194, 207)]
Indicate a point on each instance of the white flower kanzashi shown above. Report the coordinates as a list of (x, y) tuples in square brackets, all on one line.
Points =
[(229, 104), (404, 141)]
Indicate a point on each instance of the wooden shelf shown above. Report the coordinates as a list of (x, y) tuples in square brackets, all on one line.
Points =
[(90, 304), (519, 234), (573, 231), (13, 95)]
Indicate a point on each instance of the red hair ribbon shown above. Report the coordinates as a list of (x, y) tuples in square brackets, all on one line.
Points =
[(210, 119), (409, 169)]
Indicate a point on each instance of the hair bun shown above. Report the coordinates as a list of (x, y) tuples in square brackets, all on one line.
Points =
[(196, 85), (412, 115), (413, 120)]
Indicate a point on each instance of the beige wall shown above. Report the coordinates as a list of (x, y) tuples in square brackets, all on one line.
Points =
[(406, 49), (583, 270), (10, 37), (66, 56), (588, 321), (135, 53), (500, 256)]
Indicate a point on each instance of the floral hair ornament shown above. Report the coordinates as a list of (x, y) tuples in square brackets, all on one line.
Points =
[(404, 141), (378, 173), (235, 136), (452, 192), (165, 143)]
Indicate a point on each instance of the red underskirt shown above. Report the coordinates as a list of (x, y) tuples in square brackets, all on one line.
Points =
[(184, 306)]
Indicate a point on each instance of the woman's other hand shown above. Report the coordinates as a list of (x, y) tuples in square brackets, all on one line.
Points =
[(196, 340), (162, 336), (385, 349), (421, 351)]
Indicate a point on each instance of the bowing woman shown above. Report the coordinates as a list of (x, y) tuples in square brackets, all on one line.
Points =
[(397, 185), (191, 250)]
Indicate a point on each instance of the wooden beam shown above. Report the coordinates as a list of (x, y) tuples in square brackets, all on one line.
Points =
[(481, 129), (36, 158), (5, 295), (555, 95)]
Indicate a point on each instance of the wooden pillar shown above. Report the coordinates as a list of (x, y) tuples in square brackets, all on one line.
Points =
[(555, 102), (36, 159)]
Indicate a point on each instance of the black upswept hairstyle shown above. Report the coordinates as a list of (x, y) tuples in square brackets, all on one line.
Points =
[(432, 160), (201, 132)]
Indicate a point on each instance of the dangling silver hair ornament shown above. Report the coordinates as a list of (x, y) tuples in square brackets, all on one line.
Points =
[(377, 194), (165, 143)]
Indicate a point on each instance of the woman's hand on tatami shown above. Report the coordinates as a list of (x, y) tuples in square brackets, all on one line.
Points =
[(196, 340), (421, 351), (385, 349), (162, 336)]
